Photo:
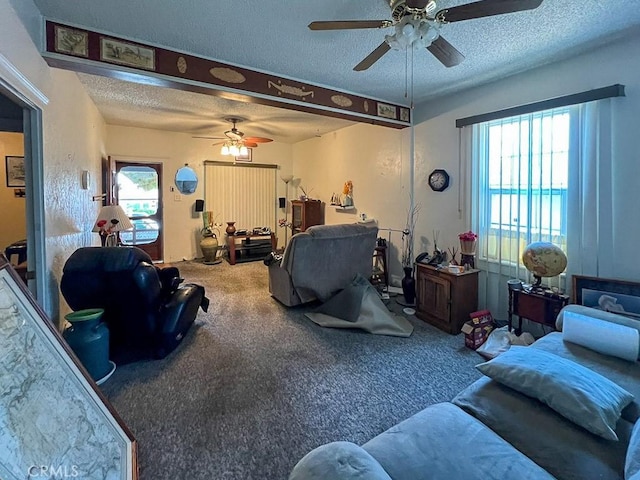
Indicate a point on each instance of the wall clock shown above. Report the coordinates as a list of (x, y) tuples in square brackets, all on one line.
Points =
[(438, 180)]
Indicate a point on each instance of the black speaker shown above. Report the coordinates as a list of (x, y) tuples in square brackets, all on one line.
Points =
[(282, 202), (199, 205)]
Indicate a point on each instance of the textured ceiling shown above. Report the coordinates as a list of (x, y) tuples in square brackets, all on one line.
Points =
[(273, 36)]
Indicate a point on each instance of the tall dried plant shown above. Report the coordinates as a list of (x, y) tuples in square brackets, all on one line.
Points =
[(407, 236)]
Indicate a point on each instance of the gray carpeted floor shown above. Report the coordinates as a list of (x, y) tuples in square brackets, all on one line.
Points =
[(254, 385)]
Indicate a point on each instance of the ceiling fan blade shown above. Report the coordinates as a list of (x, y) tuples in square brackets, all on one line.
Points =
[(445, 52), (348, 24), (210, 138), (257, 139), (419, 4), (250, 144), (485, 8), (373, 57)]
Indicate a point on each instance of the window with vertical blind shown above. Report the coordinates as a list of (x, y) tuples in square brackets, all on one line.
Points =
[(522, 173), (242, 194)]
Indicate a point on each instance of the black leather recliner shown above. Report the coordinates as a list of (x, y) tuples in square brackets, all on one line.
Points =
[(146, 309)]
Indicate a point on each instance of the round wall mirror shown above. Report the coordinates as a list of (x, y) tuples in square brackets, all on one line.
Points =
[(186, 180)]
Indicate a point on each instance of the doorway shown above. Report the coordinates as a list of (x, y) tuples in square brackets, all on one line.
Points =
[(139, 193), (20, 113)]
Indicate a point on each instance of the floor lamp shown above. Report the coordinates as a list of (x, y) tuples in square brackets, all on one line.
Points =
[(286, 179)]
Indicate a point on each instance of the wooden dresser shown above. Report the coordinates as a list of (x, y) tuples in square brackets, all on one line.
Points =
[(305, 214), (445, 299)]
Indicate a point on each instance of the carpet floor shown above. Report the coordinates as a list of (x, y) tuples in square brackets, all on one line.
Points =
[(255, 385)]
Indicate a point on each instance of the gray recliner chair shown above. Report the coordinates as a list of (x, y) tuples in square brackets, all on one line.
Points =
[(321, 261)]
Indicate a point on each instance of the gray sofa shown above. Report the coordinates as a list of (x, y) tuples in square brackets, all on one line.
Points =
[(321, 261), (490, 431)]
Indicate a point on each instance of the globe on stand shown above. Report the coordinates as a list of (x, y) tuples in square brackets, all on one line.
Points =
[(544, 259)]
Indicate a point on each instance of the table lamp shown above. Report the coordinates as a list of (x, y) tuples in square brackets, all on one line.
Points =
[(110, 221)]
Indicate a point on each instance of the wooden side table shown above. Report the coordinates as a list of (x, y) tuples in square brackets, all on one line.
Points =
[(535, 307), (232, 246)]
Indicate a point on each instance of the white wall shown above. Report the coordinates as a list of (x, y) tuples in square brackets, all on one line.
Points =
[(437, 140), (72, 142), (377, 161), (181, 226)]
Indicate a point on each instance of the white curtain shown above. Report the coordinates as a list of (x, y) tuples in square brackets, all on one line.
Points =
[(590, 225)]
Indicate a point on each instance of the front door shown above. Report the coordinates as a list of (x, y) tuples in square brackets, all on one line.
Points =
[(139, 193)]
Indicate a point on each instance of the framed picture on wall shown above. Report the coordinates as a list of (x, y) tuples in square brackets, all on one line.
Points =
[(53, 413), (617, 296), (15, 171), (245, 158)]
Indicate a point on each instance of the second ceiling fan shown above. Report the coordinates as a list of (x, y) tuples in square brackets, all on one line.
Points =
[(235, 143), (417, 23)]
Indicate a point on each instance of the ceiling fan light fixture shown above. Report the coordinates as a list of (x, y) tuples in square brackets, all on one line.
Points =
[(412, 32), (244, 150), (224, 150)]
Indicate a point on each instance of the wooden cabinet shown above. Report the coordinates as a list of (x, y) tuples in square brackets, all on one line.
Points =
[(305, 214), (445, 299), (536, 307)]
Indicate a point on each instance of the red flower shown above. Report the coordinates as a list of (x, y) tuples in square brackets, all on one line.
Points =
[(468, 236), (101, 223)]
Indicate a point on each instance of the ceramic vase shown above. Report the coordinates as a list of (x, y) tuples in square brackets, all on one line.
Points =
[(209, 246), (409, 286), (231, 228), (88, 337)]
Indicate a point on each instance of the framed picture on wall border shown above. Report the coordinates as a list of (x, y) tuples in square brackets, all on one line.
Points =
[(616, 296), (15, 171), (52, 409)]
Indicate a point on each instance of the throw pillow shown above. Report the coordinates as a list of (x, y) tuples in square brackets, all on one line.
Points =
[(581, 395), (601, 336), (338, 461)]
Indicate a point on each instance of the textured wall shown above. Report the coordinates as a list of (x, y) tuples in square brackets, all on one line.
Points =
[(12, 219)]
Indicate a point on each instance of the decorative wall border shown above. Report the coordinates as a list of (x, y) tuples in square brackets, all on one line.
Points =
[(109, 55)]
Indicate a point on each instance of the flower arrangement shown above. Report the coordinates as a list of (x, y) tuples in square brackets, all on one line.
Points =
[(468, 236), (348, 188), (468, 243)]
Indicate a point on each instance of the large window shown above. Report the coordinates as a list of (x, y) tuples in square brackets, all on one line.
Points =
[(522, 171)]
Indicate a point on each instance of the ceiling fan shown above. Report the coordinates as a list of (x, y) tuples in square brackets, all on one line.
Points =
[(416, 25), (235, 143)]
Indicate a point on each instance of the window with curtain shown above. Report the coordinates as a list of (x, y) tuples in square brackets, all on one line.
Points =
[(542, 176), (523, 170)]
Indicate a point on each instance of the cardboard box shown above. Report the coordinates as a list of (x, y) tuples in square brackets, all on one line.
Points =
[(477, 330)]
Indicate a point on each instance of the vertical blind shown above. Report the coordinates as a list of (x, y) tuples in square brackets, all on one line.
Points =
[(245, 195)]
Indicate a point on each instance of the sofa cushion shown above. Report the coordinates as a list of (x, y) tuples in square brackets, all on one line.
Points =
[(338, 461), (632, 461), (443, 442), (575, 392), (623, 373), (561, 447)]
